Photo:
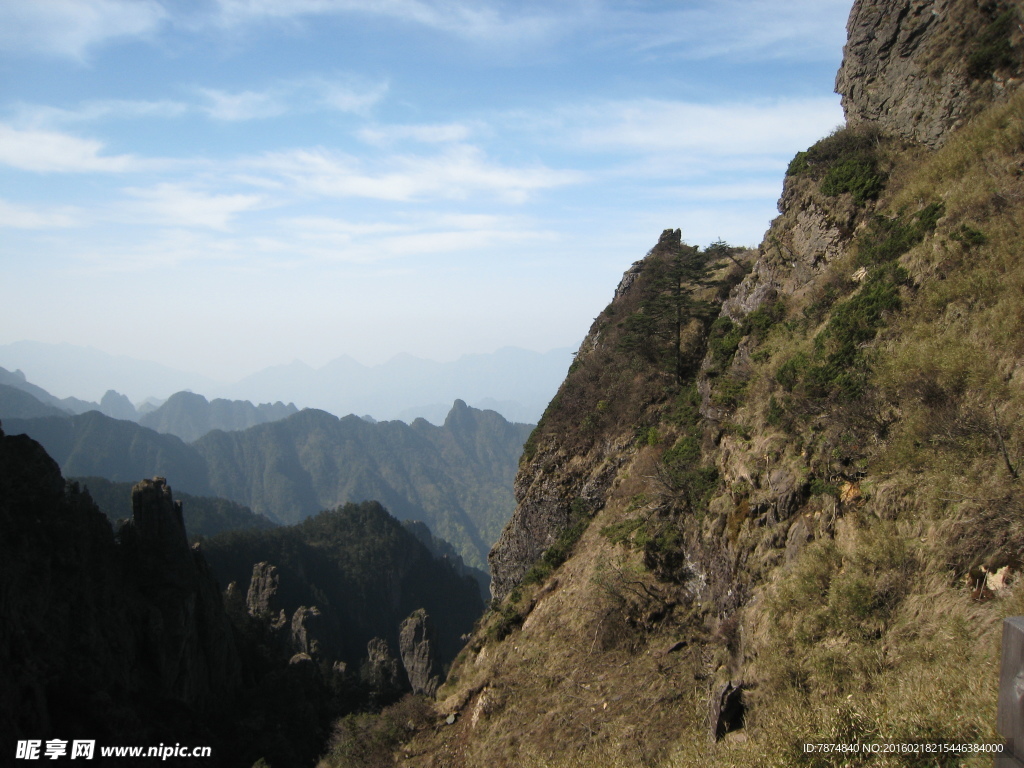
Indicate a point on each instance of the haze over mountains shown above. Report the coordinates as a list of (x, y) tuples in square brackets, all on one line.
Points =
[(514, 382)]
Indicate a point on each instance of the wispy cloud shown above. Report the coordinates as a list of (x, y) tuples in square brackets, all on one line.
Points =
[(298, 96), (340, 93), (14, 216), (729, 129), (246, 105), (736, 29), (45, 116), (331, 240), (52, 152), (478, 20), (181, 205), (456, 173), (69, 28), (438, 133)]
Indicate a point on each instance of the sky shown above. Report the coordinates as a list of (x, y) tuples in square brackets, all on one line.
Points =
[(225, 185)]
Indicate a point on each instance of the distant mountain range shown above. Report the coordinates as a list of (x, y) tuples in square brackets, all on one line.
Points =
[(190, 416), (515, 382), (456, 478), (187, 415)]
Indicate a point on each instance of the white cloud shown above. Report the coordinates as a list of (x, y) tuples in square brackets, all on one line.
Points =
[(474, 20), (44, 116), (340, 93), (70, 27), (737, 29), (298, 96), (727, 192), (333, 240), (49, 151), (438, 133), (454, 174), (248, 105), (181, 206), (649, 126), (13, 216)]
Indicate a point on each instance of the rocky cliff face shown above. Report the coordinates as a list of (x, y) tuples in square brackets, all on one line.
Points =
[(590, 430), (773, 499), (92, 622), (418, 645), (918, 68)]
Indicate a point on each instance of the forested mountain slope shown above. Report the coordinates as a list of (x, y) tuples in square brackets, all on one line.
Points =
[(456, 478)]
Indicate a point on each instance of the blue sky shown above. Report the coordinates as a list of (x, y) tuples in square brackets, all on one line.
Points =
[(224, 185)]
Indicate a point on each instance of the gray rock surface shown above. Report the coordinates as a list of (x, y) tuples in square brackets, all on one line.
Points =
[(382, 672), (418, 647), (306, 630), (906, 67), (192, 655), (261, 600)]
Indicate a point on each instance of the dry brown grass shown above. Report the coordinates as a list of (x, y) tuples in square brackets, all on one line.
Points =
[(871, 631)]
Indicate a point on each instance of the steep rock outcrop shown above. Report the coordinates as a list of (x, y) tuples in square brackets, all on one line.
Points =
[(261, 600), (193, 655), (100, 634), (918, 68), (615, 389), (383, 673), (815, 520), (306, 630), (418, 648)]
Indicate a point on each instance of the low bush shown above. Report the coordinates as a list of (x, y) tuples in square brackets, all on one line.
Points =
[(370, 740), (859, 175), (993, 47), (844, 161)]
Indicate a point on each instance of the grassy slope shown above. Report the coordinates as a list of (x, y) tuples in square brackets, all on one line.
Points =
[(902, 479)]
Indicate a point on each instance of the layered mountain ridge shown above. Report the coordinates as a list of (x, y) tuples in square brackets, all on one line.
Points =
[(456, 478)]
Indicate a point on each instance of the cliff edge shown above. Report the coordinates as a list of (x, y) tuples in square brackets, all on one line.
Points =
[(918, 68), (776, 500)]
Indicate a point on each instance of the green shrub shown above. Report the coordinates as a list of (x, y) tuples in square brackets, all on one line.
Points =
[(759, 322), (723, 340), (859, 175), (844, 161), (623, 531), (683, 472), (799, 164), (836, 367), (370, 740), (969, 237), (507, 619), (993, 48), (887, 239), (792, 370), (727, 392), (818, 308), (819, 487), (858, 319)]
